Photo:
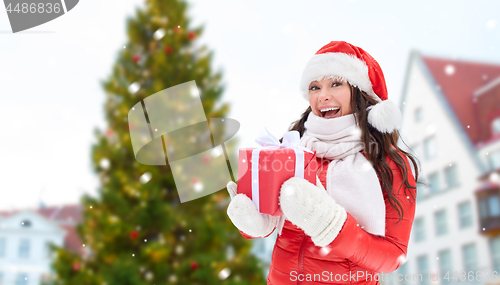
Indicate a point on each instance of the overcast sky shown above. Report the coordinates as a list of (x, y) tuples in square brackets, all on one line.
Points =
[(49, 75)]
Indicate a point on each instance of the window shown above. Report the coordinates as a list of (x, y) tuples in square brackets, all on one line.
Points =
[(418, 115), (440, 222), (420, 190), (495, 253), (423, 268), (401, 272), (26, 223), (21, 279), (430, 147), (24, 248), (419, 229), (470, 257), (3, 247), (494, 157), (415, 151), (434, 182), (489, 207), (451, 175), (483, 208), (445, 265), (493, 206), (465, 214), (495, 126)]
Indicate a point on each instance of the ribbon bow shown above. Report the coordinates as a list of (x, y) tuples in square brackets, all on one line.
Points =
[(291, 139)]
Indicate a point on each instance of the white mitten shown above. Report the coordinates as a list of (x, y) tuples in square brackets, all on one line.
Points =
[(246, 217), (310, 208)]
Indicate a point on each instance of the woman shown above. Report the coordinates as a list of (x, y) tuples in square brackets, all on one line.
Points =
[(356, 221)]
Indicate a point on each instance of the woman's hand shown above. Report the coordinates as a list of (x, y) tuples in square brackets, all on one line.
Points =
[(310, 208), (246, 217)]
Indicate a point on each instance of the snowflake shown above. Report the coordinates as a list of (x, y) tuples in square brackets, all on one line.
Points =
[(449, 69), (224, 273)]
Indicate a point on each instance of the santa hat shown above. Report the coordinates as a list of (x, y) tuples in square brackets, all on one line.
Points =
[(358, 68)]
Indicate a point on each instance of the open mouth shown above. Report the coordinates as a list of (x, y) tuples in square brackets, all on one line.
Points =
[(330, 113)]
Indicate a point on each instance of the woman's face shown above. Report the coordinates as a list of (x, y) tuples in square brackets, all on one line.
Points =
[(330, 94)]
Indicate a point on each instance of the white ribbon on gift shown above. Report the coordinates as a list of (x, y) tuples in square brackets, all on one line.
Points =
[(291, 140)]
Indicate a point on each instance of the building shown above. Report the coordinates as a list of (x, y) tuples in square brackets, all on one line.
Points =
[(24, 237), (451, 121)]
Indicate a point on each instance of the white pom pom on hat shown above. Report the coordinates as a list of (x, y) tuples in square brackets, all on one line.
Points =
[(385, 116), (356, 66)]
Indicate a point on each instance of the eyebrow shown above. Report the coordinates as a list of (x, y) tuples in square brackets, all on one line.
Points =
[(329, 79)]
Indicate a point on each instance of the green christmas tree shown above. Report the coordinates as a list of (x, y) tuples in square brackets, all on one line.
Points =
[(137, 231)]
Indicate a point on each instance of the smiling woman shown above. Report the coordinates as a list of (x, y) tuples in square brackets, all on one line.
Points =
[(358, 215)]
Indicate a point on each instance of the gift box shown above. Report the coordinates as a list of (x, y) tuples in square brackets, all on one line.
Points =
[(262, 171)]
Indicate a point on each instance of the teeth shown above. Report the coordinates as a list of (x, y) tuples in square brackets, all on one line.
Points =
[(328, 109)]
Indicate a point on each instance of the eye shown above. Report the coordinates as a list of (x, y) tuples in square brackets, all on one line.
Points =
[(335, 84)]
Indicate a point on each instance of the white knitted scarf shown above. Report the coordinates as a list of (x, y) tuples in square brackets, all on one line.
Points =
[(351, 179)]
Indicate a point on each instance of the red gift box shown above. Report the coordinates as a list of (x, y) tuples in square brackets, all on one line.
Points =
[(275, 166)]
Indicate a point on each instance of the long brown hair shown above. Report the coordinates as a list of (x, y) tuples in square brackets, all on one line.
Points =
[(379, 145)]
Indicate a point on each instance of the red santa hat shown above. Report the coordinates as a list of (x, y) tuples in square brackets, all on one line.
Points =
[(354, 65)]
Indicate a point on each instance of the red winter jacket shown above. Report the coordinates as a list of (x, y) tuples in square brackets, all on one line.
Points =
[(355, 256)]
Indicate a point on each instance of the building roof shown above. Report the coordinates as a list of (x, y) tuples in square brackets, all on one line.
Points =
[(67, 217), (488, 102), (472, 89), (66, 213)]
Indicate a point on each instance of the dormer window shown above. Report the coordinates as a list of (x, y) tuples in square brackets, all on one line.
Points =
[(26, 224), (495, 126)]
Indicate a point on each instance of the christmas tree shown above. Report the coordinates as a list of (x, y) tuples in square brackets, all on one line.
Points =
[(136, 231)]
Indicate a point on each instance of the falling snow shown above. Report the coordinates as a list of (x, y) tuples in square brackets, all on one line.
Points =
[(494, 177), (198, 187), (158, 35), (104, 163), (224, 273), (449, 69), (145, 177), (134, 87)]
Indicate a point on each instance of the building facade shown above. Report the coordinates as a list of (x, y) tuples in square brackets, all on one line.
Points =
[(451, 122), (25, 236)]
